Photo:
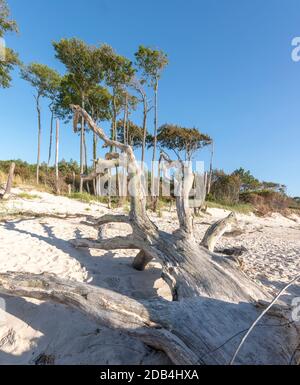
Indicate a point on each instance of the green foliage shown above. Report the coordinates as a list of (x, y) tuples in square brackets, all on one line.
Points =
[(181, 139), (25, 172), (68, 94), (45, 80), (97, 101), (151, 62), (118, 70), (83, 197), (6, 24), (242, 208), (134, 133), (67, 168), (248, 182), (225, 188), (83, 63), (11, 58), (25, 195), (87, 198)]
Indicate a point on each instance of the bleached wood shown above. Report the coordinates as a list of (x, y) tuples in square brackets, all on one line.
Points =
[(213, 301), (216, 230)]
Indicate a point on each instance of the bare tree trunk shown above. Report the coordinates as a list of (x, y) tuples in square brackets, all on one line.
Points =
[(74, 181), (39, 138), (216, 230), (145, 113), (94, 160), (210, 168), (214, 303), (56, 157), (9, 183), (85, 152), (82, 147), (51, 135), (153, 182), (122, 182)]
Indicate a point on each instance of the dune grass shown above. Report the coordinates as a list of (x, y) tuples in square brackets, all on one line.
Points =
[(242, 208), (25, 195)]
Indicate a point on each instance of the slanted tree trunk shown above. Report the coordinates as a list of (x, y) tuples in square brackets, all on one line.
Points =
[(216, 230), (9, 183), (214, 303)]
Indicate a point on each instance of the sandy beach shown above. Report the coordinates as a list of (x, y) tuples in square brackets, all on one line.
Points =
[(35, 332)]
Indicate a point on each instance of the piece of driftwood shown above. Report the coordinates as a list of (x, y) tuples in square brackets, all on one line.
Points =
[(216, 230), (213, 301)]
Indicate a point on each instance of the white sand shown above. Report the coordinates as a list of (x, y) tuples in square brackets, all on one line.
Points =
[(31, 329)]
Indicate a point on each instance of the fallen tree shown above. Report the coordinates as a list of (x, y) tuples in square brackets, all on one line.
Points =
[(214, 303)]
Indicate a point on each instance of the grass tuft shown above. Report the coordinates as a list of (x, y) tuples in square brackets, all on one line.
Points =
[(242, 208)]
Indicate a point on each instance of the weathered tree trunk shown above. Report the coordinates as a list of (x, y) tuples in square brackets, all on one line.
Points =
[(82, 146), (153, 180), (216, 230), (51, 135), (94, 159), (39, 139), (210, 168), (214, 303), (56, 157), (9, 183)]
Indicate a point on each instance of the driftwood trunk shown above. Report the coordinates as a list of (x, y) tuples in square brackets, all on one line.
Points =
[(214, 303)]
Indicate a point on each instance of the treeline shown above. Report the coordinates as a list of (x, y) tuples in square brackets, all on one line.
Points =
[(242, 187), (109, 87)]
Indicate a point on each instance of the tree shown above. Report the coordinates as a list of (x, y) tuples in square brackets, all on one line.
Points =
[(8, 58), (99, 107), (211, 295), (152, 62), (248, 181), (138, 85), (52, 94), (43, 79), (225, 188), (182, 140), (134, 134), (85, 70), (118, 75)]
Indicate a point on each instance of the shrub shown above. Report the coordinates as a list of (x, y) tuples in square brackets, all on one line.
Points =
[(225, 188), (266, 201)]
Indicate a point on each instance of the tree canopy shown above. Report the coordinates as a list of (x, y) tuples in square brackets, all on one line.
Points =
[(8, 58), (182, 140), (151, 62), (85, 69), (43, 78), (133, 131)]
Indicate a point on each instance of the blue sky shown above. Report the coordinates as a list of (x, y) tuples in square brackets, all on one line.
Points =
[(230, 74)]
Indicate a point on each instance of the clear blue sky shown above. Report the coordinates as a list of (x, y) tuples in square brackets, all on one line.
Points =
[(230, 73)]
